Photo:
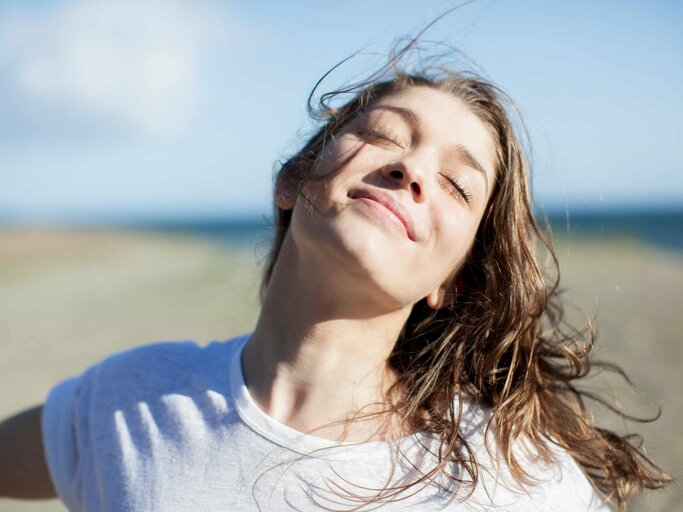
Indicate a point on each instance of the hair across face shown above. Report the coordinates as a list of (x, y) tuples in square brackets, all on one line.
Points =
[(397, 195), (477, 105), (425, 141)]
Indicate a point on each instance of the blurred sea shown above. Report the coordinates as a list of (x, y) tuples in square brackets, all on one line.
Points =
[(661, 228)]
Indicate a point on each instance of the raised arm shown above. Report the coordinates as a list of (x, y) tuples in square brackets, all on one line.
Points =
[(23, 468)]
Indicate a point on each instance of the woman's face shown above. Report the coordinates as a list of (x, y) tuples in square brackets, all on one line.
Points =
[(405, 186)]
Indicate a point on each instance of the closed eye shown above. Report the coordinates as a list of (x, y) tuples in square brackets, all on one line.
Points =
[(455, 188), (375, 135)]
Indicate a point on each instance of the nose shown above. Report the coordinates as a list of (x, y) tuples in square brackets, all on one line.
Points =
[(409, 177)]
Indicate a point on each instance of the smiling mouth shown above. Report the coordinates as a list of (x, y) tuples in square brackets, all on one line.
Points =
[(397, 214)]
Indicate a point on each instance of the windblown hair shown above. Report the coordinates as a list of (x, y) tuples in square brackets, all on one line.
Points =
[(502, 341)]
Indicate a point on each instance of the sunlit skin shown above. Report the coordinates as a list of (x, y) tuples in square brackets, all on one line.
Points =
[(349, 271)]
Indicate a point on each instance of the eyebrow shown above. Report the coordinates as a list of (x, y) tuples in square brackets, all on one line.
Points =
[(460, 151), (463, 154)]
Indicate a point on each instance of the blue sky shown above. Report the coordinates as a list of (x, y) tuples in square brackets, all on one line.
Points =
[(181, 108)]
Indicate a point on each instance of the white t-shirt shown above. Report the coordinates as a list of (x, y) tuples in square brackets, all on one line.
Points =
[(172, 427)]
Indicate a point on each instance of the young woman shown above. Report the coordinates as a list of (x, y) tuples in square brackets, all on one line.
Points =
[(409, 354)]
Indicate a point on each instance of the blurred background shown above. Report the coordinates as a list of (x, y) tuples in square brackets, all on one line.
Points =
[(138, 141)]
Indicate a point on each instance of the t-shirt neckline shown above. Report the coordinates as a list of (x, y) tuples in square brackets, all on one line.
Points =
[(288, 437)]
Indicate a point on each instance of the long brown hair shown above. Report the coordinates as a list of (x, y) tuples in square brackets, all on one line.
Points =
[(502, 341)]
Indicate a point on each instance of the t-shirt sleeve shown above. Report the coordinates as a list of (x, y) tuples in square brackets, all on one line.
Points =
[(559, 485), (580, 487), (79, 431), (567, 488), (59, 439)]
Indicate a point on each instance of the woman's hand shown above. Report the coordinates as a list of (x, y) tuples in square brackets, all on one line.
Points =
[(23, 468)]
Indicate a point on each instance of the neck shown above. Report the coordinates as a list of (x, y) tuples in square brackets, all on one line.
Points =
[(319, 350)]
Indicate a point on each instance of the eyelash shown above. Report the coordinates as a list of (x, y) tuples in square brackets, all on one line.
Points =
[(373, 134), (456, 189)]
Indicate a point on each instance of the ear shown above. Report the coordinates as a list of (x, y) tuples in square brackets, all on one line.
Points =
[(444, 295), (285, 196), (435, 299)]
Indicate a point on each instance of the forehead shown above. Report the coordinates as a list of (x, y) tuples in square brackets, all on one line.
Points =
[(426, 100), (444, 118)]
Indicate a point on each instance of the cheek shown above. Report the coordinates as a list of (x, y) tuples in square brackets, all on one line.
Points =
[(335, 155), (456, 234)]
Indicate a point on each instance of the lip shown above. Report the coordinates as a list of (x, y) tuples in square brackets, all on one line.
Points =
[(390, 204)]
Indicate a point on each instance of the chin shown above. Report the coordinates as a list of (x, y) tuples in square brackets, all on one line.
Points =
[(376, 256), (362, 252)]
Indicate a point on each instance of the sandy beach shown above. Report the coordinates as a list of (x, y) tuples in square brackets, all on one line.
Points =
[(69, 298)]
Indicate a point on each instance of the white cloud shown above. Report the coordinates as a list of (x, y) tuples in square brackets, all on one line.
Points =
[(134, 62)]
